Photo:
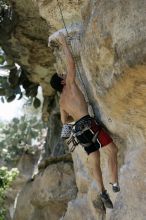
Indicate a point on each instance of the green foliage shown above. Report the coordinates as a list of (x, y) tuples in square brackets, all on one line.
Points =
[(19, 136), (13, 79), (5, 10), (16, 137), (6, 178), (2, 59)]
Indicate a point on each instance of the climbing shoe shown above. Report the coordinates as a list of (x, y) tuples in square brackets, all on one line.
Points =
[(106, 200), (115, 187)]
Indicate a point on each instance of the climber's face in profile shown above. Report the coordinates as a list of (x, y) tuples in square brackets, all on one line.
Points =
[(58, 81), (63, 77)]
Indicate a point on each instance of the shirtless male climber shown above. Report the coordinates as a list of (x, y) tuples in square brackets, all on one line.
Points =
[(89, 132)]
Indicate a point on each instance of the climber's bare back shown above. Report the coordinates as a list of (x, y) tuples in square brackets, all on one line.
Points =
[(72, 102)]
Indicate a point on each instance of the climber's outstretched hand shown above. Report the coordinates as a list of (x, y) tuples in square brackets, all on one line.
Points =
[(61, 39), (57, 38)]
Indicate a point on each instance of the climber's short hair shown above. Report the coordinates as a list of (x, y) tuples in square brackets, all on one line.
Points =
[(56, 82)]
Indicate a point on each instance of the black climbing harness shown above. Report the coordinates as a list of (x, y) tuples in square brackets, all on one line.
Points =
[(83, 129)]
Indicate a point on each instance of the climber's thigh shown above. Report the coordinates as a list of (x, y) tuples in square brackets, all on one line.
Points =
[(94, 159), (111, 149)]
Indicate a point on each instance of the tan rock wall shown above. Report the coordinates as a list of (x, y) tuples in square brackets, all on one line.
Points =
[(112, 51), (47, 196), (109, 43)]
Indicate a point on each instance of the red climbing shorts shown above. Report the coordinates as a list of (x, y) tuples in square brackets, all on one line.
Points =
[(91, 135), (104, 138)]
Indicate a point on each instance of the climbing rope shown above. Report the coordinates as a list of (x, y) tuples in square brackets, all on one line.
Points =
[(59, 6), (63, 21)]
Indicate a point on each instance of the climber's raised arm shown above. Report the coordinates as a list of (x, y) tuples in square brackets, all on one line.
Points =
[(69, 60)]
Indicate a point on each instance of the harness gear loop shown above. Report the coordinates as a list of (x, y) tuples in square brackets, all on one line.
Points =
[(75, 134), (74, 142)]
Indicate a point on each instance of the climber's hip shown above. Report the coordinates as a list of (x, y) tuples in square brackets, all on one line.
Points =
[(91, 135)]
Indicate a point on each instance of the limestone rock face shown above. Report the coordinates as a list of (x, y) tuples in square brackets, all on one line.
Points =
[(27, 43), (111, 70), (26, 166), (109, 44), (47, 196), (51, 12)]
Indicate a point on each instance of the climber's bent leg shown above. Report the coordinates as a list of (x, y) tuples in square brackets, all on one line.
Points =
[(94, 162), (112, 150), (92, 137)]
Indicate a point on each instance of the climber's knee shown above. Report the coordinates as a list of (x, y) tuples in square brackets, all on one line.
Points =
[(111, 149)]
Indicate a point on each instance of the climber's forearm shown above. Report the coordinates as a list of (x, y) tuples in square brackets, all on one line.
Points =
[(69, 60), (70, 64)]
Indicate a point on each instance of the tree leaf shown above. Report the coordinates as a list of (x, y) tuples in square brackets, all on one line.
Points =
[(36, 103)]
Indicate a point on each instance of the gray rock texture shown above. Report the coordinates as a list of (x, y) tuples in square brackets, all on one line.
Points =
[(47, 196), (108, 41)]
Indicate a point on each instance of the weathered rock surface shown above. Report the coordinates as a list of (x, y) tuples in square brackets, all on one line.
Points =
[(27, 43), (112, 66), (109, 43), (47, 196), (26, 166)]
